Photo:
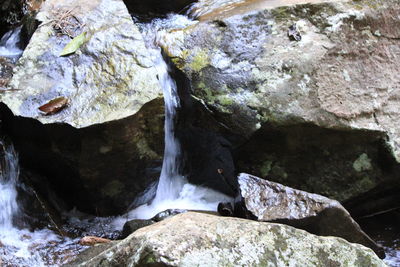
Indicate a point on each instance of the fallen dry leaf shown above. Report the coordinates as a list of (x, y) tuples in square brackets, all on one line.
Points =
[(93, 240), (54, 106)]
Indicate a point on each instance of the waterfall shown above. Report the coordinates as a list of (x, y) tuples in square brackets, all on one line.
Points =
[(173, 190), (171, 181), (9, 44), (21, 247), (9, 172)]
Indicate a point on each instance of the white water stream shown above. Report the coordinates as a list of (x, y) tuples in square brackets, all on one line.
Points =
[(15, 243), (9, 44), (173, 190)]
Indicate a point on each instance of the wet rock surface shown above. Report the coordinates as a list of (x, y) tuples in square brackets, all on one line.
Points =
[(207, 152), (255, 79), (212, 240), (134, 225), (273, 202)]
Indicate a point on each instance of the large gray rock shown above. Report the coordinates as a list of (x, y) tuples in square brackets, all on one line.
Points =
[(109, 78), (314, 113), (106, 146), (194, 239), (273, 202)]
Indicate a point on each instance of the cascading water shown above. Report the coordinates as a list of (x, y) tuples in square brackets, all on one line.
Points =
[(9, 173), (14, 249), (9, 44), (173, 190), (171, 181), (21, 247)]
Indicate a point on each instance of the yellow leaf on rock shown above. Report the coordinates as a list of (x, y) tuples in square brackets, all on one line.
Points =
[(74, 45)]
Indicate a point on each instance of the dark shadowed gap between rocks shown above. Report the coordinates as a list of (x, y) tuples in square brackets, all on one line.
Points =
[(145, 11), (75, 165), (207, 155), (343, 165)]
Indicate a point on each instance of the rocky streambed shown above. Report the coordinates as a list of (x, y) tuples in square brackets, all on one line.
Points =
[(121, 109)]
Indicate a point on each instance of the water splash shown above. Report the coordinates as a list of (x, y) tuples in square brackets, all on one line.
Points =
[(21, 247), (171, 181), (9, 44), (9, 173)]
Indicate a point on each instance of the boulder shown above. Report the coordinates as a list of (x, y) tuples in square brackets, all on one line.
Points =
[(195, 239), (317, 112), (105, 147), (272, 202), (134, 225)]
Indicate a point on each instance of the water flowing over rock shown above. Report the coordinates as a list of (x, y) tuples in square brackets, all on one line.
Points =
[(272, 202), (19, 246), (173, 190), (287, 98), (194, 239), (9, 172), (105, 147)]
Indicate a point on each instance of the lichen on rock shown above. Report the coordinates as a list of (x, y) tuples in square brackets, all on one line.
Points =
[(224, 241)]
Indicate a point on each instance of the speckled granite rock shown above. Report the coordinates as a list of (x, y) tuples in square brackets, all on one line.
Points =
[(272, 202), (194, 239)]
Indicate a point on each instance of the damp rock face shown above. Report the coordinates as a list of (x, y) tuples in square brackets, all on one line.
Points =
[(195, 239), (105, 146), (272, 202), (337, 85)]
